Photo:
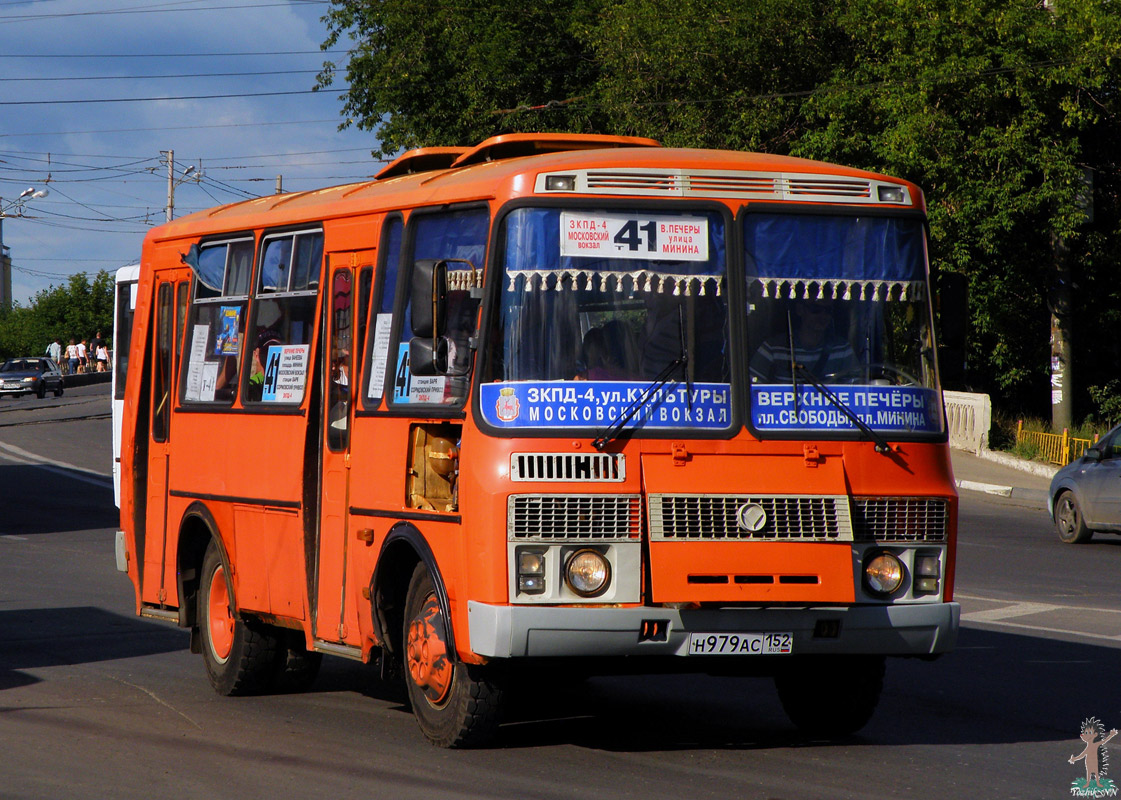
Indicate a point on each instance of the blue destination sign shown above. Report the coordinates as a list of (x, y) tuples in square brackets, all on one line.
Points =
[(596, 404), (902, 409)]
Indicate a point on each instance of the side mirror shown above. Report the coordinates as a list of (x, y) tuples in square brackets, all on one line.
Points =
[(429, 297), (439, 356), (428, 356), (1094, 454)]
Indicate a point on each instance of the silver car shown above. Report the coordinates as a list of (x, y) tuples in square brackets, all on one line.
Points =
[(33, 375), (1085, 495)]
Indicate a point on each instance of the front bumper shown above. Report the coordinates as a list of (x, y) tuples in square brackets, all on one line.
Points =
[(499, 631)]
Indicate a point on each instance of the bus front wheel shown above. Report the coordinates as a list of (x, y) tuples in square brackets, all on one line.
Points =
[(830, 696), (455, 704), (241, 657)]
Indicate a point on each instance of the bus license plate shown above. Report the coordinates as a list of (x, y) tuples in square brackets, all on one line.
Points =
[(740, 644)]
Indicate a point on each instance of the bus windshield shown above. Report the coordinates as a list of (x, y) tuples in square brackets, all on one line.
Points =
[(595, 306), (838, 315)]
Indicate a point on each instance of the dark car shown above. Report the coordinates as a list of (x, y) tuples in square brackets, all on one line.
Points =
[(30, 376), (1085, 495)]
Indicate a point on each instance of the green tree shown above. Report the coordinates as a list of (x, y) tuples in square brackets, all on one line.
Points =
[(424, 74), (78, 310), (995, 107)]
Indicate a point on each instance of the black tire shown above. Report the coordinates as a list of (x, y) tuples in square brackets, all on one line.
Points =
[(60, 389), (241, 657), (1069, 522), (455, 704), (830, 696), (41, 390)]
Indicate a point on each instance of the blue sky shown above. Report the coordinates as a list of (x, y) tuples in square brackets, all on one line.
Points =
[(104, 164)]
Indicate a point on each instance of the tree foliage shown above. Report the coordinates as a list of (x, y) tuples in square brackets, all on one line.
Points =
[(997, 108), (78, 309)]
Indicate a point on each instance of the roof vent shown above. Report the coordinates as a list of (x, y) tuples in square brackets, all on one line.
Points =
[(515, 145)]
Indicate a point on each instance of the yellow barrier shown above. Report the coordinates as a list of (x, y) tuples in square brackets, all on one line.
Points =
[(1056, 448)]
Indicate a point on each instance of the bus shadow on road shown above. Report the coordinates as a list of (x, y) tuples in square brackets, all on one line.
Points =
[(48, 499), (996, 688), (54, 637)]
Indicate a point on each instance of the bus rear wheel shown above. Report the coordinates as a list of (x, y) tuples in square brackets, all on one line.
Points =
[(830, 696), (241, 657), (455, 704)]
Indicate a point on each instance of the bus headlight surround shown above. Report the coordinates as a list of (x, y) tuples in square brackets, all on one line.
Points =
[(587, 572), (883, 573)]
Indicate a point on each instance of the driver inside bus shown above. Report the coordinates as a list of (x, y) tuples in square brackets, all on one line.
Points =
[(818, 348)]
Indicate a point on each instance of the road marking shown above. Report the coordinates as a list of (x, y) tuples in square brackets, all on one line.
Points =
[(18, 455), (1010, 610)]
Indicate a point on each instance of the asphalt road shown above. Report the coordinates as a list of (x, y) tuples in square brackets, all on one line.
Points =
[(97, 703)]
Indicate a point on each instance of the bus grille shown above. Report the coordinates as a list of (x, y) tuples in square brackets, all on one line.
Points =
[(574, 467), (709, 183), (900, 519), (714, 517), (573, 517)]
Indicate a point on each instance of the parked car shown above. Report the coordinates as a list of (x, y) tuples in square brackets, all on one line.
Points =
[(1085, 495), (30, 376)]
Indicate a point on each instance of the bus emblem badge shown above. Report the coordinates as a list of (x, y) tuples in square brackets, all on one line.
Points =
[(751, 517), (507, 406)]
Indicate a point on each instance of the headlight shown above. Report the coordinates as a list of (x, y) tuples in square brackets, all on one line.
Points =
[(587, 573), (883, 573), (531, 571), (30, 380)]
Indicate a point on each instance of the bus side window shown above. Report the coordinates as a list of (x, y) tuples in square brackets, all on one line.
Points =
[(385, 291), (279, 336), (216, 321), (460, 238)]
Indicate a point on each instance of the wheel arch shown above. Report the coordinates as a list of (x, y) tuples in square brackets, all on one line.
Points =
[(404, 547), (196, 531)]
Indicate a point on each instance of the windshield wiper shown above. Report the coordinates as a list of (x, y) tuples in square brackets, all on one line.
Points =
[(611, 433), (881, 443)]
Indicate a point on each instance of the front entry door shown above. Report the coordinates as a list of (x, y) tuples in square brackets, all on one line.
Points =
[(171, 297), (337, 417)]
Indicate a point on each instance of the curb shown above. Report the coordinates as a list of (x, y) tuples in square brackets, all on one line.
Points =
[(987, 488), (1035, 496), (1007, 460)]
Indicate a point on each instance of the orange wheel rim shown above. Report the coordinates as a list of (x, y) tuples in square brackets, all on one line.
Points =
[(427, 652), (220, 622)]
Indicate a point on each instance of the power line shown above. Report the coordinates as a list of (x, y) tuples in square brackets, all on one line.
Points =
[(128, 11), (152, 99), (171, 128), (164, 77), (54, 56)]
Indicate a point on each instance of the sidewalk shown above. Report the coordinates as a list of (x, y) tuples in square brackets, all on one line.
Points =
[(1002, 474)]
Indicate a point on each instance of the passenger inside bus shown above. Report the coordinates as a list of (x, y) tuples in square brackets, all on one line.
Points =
[(256, 387), (607, 351), (817, 346)]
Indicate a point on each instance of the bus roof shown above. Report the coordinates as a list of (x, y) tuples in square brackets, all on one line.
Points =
[(623, 165)]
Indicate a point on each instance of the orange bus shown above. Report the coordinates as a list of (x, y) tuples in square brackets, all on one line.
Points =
[(554, 404)]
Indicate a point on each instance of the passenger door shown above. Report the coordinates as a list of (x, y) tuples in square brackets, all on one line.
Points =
[(171, 298), (331, 622)]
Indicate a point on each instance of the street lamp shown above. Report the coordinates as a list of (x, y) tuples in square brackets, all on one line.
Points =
[(26, 196)]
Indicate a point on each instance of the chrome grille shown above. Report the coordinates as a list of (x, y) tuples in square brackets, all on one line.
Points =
[(900, 519), (714, 517), (573, 517), (567, 467)]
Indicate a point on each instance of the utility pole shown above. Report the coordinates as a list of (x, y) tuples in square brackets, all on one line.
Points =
[(1062, 310), (170, 183), (280, 184)]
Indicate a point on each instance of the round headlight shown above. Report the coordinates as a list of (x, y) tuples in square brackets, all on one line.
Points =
[(587, 573), (883, 573)]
